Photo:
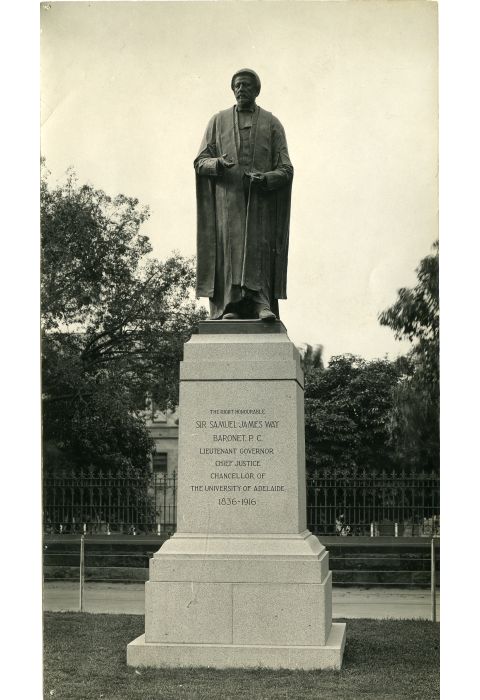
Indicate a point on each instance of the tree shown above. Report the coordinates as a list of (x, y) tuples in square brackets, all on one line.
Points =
[(114, 320), (347, 413), (415, 316), (311, 357), (415, 416)]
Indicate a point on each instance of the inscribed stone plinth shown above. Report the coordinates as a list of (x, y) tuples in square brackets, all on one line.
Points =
[(242, 582)]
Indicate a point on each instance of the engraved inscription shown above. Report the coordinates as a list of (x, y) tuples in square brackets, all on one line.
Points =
[(240, 442)]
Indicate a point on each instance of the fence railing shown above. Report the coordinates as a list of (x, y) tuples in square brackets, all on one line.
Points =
[(339, 502), (96, 502), (373, 503)]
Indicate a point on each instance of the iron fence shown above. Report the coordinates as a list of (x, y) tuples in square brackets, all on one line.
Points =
[(373, 503), (96, 502), (339, 502)]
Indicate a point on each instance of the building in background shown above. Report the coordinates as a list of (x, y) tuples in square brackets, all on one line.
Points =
[(163, 428)]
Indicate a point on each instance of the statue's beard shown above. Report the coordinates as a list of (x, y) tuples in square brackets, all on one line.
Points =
[(245, 101)]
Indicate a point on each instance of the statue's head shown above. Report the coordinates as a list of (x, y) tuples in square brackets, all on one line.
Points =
[(246, 86)]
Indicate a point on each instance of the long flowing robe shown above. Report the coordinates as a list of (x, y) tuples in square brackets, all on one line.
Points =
[(233, 254)]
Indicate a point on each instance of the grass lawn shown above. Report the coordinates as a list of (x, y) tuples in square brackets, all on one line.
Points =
[(85, 658)]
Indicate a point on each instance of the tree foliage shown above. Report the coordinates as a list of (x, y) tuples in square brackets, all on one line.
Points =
[(416, 316), (347, 413), (114, 320), (380, 414), (311, 357), (415, 416)]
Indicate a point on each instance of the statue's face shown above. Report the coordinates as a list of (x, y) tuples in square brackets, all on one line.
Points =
[(245, 89)]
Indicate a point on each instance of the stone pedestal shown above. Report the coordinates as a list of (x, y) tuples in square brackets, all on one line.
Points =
[(242, 583)]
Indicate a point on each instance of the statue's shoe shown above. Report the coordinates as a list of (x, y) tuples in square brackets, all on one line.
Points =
[(230, 316), (265, 314)]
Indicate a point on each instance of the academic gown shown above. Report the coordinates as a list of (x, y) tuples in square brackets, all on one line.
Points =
[(232, 255)]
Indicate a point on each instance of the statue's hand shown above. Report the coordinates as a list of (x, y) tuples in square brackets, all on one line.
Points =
[(256, 177), (224, 162)]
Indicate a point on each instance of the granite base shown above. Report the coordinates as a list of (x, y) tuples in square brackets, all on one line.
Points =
[(222, 656)]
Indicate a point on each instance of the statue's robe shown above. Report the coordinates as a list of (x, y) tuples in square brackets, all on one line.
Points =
[(233, 257)]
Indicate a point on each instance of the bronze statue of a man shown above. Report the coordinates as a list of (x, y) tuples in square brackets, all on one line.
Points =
[(244, 178)]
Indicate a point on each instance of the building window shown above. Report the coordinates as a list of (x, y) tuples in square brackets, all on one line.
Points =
[(159, 462)]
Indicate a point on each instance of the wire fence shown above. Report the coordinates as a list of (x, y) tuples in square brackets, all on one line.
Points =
[(340, 502), (84, 561)]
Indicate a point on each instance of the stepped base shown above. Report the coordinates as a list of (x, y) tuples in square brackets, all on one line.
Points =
[(220, 656), (242, 583)]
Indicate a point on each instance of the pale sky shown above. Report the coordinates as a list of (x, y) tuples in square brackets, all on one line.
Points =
[(128, 88)]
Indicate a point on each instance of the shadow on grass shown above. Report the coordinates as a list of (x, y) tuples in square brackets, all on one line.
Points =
[(85, 658)]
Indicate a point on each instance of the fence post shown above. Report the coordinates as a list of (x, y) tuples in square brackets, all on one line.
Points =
[(82, 569), (433, 581)]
